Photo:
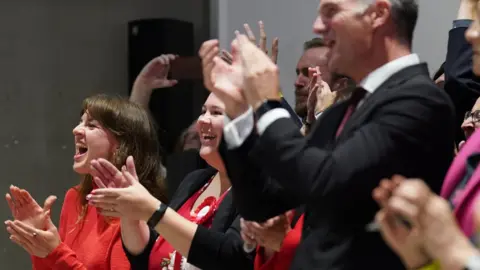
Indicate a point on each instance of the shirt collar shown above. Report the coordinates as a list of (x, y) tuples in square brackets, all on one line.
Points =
[(381, 74)]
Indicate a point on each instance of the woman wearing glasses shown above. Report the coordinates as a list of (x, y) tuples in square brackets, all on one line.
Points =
[(471, 121)]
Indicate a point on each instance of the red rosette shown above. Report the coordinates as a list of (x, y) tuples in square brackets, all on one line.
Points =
[(211, 203)]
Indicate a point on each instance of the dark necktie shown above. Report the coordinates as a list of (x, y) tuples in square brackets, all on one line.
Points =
[(357, 95)]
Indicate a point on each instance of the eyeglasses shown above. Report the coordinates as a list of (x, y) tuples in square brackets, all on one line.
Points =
[(475, 116)]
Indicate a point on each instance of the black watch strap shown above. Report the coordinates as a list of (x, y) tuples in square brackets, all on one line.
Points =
[(267, 106), (157, 215)]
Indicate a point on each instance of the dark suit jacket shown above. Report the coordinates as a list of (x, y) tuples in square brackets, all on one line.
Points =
[(461, 84), (219, 247), (404, 127)]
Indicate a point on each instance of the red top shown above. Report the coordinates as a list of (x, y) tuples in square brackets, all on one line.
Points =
[(163, 255), (281, 260), (96, 244)]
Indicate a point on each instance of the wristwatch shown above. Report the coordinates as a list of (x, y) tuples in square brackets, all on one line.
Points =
[(157, 215), (267, 106)]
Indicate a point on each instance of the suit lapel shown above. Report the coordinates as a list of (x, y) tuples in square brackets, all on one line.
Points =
[(372, 99), (325, 128)]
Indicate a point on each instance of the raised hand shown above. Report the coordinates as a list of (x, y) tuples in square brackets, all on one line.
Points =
[(313, 86), (133, 202), (24, 208), (269, 234), (106, 175), (223, 79), (325, 96), (226, 56), (207, 52), (154, 74), (37, 242), (262, 44), (260, 74)]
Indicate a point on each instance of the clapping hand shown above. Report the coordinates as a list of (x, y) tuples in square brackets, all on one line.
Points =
[(406, 242), (315, 77), (32, 228), (223, 79), (128, 199), (260, 73), (24, 208), (37, 242), (269, 234), (262, 44)]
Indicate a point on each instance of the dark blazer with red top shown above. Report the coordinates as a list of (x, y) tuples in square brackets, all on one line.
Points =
[(219, 247)]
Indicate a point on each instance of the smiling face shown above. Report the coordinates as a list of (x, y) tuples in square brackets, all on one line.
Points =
[(348, 27), (92, 141), (210, 125)]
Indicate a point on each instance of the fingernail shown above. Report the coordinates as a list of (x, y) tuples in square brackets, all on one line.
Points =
[(89, 196)]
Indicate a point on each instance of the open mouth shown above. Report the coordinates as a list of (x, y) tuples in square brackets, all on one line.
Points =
[(80, 151), (207, 138)]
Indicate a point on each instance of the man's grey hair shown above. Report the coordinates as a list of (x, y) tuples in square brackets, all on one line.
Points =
[(404, 14)]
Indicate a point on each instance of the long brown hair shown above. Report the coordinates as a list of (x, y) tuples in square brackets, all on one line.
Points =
[(135, 132)]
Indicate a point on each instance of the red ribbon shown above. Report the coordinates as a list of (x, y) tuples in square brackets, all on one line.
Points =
[(210, 202)]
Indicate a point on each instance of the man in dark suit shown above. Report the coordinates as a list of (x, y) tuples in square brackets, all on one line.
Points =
[(396, 122)]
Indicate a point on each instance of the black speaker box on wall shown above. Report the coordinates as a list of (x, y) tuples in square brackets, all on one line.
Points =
[(172, 107)]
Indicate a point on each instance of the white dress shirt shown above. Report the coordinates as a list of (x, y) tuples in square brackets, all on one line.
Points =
[(236, 131)]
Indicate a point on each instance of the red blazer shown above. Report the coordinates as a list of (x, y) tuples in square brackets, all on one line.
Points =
[(281, 260)]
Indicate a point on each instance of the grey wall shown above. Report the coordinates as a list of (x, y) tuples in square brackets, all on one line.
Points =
[(52, 55), (292, 22)]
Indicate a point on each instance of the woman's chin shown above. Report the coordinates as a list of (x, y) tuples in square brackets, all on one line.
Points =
[(208, 151), (81, 168)]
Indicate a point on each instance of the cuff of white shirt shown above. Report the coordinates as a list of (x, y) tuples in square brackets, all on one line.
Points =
[(236, 131), (269, 117)]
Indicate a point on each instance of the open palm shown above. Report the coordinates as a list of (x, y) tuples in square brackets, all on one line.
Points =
[(154, 74), (227, 79), (24, 208)]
